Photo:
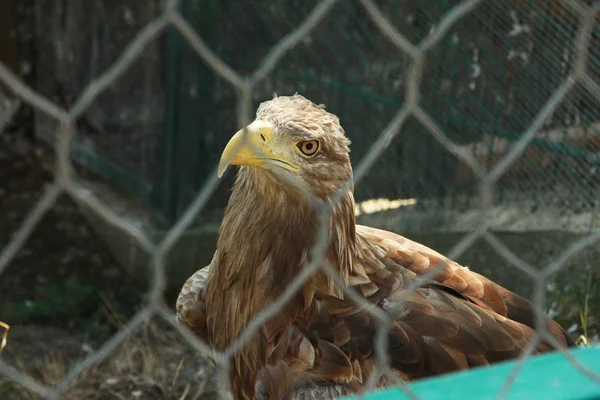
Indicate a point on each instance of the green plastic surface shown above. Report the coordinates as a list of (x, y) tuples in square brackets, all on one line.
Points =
[(549, 377)]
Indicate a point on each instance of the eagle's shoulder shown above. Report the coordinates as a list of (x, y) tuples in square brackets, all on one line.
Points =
[(419, 259)]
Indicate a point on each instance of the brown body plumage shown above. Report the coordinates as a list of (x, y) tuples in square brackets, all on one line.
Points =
[(458, 320)]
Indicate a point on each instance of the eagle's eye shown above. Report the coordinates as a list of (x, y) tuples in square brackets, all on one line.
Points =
[(308, 147)]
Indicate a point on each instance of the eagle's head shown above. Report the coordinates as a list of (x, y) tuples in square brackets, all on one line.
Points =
[(293, 141)]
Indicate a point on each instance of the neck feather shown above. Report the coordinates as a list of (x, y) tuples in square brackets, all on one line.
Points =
[(265, 239)]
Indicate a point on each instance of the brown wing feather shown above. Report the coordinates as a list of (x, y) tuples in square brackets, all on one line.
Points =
[(458, 320), (477, 288)]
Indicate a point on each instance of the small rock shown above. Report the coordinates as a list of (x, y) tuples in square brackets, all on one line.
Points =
[(86, 348), (111, 381)]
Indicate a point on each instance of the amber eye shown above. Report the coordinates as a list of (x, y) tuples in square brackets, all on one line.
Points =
[(308, 147)]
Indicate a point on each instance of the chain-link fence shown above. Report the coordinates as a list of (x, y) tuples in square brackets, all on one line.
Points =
[(578, 77), (487, 78)]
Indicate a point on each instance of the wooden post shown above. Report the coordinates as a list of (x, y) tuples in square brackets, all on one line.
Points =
[(8, 34)]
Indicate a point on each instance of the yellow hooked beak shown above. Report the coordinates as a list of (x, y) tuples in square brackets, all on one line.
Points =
[(251, 146)]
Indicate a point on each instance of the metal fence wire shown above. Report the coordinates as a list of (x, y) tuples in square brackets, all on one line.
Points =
[(64, 182), (486, 79)]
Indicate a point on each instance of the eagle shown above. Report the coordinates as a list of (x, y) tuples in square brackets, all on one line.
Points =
[(293, 159)]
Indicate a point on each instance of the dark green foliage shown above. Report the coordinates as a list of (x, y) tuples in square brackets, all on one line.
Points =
[(73, 305)]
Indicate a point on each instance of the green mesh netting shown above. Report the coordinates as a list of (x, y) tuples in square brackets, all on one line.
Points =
[(483, 84)]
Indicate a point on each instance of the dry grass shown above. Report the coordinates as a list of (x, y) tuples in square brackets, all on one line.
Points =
[(6, 328), (584, 316), (154, 363)]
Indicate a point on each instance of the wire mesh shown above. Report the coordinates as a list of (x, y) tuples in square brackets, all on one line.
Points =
[(486, 78), (65, 182)]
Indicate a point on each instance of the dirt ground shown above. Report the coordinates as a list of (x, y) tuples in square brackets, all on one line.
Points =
[(155, 364), (63, 295)]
